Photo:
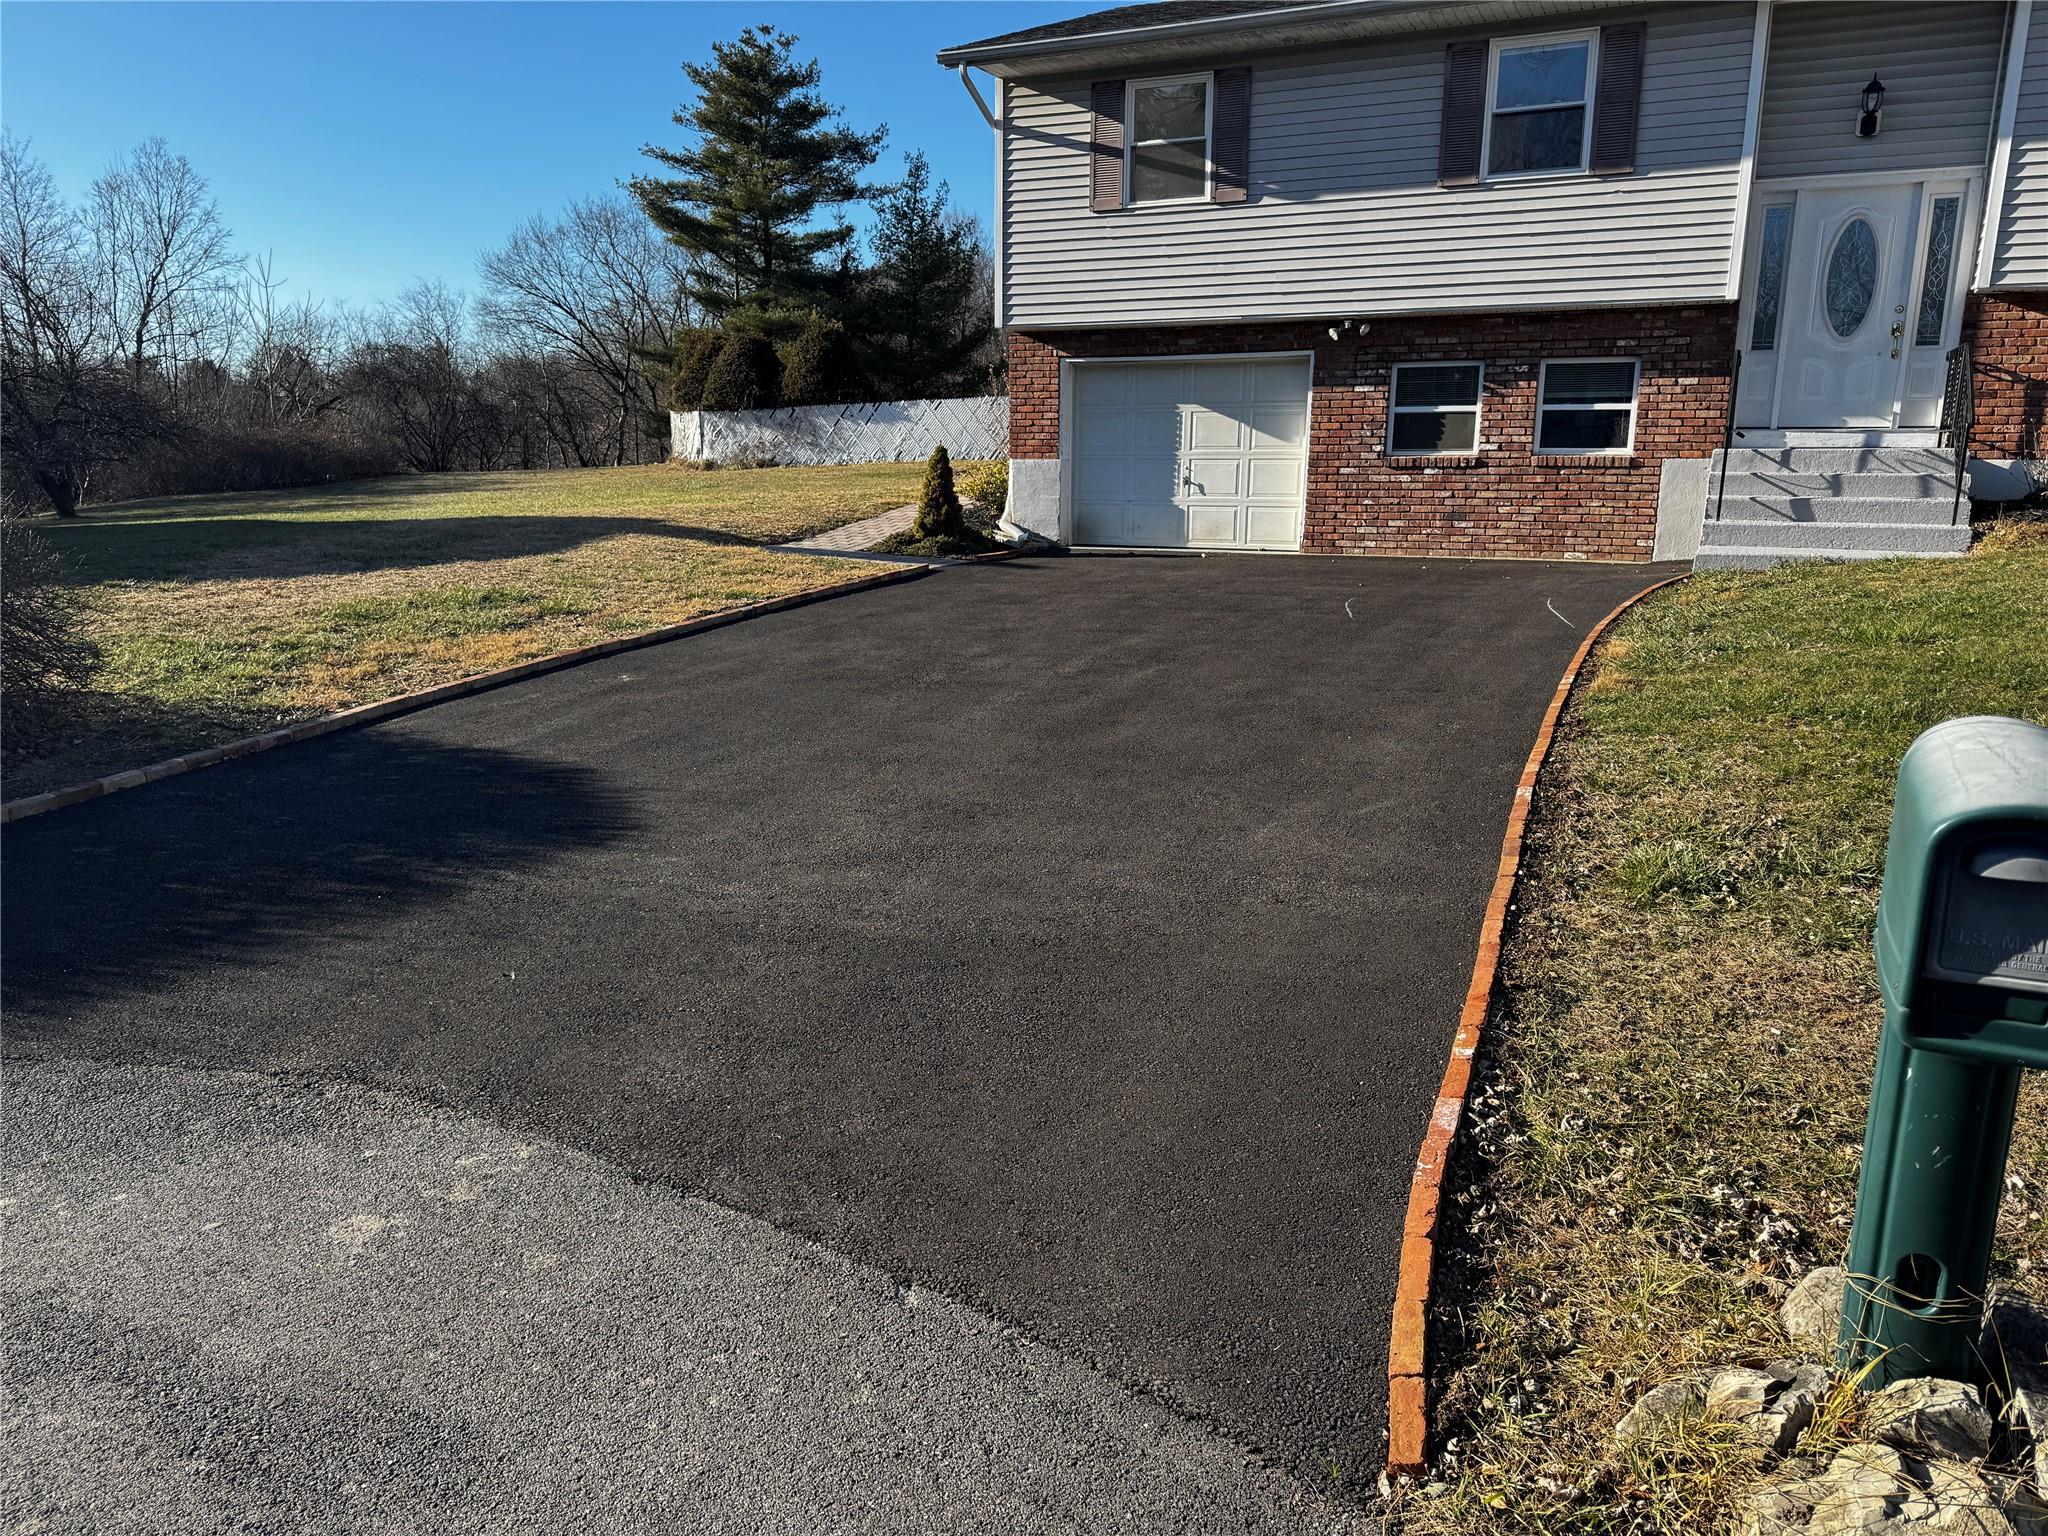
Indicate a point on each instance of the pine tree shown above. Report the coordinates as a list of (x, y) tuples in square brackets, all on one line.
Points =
[(746, 377), (938, 507), (929, 316), (823, 367), (769, 153)]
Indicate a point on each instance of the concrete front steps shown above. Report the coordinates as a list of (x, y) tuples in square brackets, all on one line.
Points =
[(1782, 504)]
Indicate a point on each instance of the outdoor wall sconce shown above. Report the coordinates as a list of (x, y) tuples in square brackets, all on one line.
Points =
[(1872, 104)]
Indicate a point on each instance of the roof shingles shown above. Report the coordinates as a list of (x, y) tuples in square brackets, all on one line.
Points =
[(1158, 13)]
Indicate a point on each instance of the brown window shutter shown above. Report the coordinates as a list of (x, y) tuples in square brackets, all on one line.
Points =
[(1617, 99), (1106, 144), (1457, 150), (1230, 137)]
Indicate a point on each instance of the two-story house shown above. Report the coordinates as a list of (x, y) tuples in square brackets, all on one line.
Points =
[(1476, 277)]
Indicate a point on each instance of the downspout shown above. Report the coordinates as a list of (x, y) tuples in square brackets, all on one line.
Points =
[(1006, 530), (996, 123)]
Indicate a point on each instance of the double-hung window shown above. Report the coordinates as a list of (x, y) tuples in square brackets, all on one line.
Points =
[(1169, 141), (1587, 407), (1539, 105), (1434, 408)]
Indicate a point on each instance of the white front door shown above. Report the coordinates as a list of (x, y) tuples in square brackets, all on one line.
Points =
[(1204, 455), (1846, 278)]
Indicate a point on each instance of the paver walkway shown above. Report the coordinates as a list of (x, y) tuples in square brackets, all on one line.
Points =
[(852, 537)]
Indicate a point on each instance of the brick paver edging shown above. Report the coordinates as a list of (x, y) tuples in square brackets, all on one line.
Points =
[(404, 703), (1407, 1388)]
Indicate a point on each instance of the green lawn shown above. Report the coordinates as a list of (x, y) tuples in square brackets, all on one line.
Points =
[(223, 615), (1678, 1067)]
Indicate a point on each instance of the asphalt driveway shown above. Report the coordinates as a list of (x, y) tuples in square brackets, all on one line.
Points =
[(1080, 939)]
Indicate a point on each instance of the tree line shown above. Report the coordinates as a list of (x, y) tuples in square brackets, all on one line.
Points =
[(141, 353)]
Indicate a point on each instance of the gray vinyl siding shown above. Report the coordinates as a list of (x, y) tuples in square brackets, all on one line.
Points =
[(1939, 65), (1346, 218), (2021, 257)]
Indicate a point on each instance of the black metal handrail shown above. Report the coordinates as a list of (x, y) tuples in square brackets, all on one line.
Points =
[(1958, 419), (1729, 432)]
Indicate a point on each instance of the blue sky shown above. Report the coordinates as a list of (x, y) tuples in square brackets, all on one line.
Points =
[(362, 145)]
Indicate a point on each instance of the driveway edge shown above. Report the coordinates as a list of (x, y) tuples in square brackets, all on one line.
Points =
[(405, 703), (1407, 1385)]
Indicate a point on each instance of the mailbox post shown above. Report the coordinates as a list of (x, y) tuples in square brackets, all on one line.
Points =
[(1962, 959)]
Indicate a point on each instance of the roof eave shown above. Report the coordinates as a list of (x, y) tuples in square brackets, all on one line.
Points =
[(1244, 21)]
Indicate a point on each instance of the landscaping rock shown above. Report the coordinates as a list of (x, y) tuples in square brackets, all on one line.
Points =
[(1812, 1314), (1929, 1416), (1657, 1407), (1771, 1406), (2026, 1413), (1866, 1486), (1957, 1499), (2015, 1341), (1785, 1504), (1874, 1490)]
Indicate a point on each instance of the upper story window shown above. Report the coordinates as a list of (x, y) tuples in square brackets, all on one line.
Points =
[(1169, 141), (1539, 105)]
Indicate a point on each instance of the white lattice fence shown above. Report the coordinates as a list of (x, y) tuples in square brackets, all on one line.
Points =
[(873, 432)]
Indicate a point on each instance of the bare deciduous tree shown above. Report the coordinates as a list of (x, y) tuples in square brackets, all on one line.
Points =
[(410, 366), (161, 257), (68, 408), (598, 290)]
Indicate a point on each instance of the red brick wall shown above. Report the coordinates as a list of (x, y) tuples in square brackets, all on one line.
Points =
[(1502, 500), (2008, 335)]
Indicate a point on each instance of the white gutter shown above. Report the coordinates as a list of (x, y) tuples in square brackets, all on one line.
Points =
[(2001, 153)]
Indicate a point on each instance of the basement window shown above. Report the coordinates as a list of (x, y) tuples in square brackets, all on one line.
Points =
[(1587, 407), (1434, 408)]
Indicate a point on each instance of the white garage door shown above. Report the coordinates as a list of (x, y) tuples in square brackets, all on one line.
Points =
[(1199, 455)]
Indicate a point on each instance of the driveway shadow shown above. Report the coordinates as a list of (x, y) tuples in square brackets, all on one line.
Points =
[(203, 874)]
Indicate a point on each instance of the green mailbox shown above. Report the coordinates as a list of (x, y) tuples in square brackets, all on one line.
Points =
[(1962, 959)]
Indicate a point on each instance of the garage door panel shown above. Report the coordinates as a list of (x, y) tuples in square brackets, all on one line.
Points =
[(1279, 381), (1154, 478), (1213, 523), (1206, 454), (1151, 522), (1219, 386), (1154, 429), (1209, 429), (1102, 387), (1272, 527), (1275, 480), (1102, 479), (1213, 478), (1099, 523), (1278, 426), (1157, 384), (1103, 430)]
